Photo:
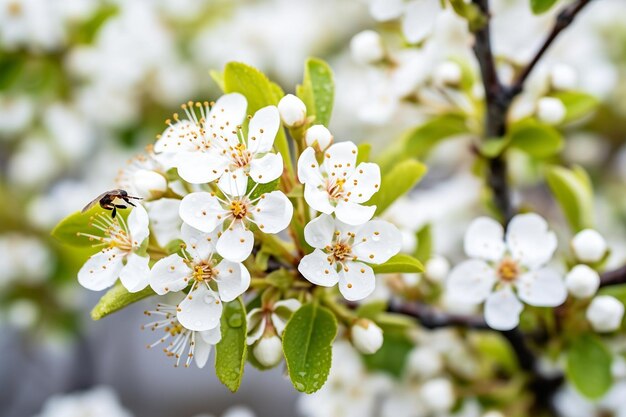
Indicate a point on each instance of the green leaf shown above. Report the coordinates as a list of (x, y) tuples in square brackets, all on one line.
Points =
[(218, 77), (280, 279), (470, 12), (399, 181), (392, 355), (617, 291), (399, 263), (493, 147), (307, 343), (230, 352), (541, 6), (262, 188), (536, 139), (577, 104), (118, 298), (364, 150), (572, 189), (589, 366), (260, 92), (317, 90), (371, 309), (423, 249)]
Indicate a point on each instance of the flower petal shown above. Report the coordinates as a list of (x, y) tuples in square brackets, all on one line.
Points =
[(352, 213), (542, 288), (384, 10), (363, 183), (377, 241), (200, 245), (484, 239), (135, 275), (502, 310), (101, 270), (340, 159), (256, 325), (419, 19), (308, 168), (138, 225), (212, 336), (201, 351), (530, 241), (471, 281), (179, 136), (200, 310), (266, 168), (356, 281), (169, 274), (164, 219), (200, 167), (318, 199), (233, 279), (273, 212), (226, 114), (235, 244), (202, 211), (320, 231), (316, 268), (262, 129), (234, 183)]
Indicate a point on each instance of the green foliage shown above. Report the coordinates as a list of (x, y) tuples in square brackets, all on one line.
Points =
[(230, 352), (317, 90), (577, 104), (536, 139), (281, 279), (617, 291), (573, 191), (307, 345), (474, 16), (399, 181), (118, 298), (392, 355), (493, 147), (67, 230), (589, 366), (423, 249), (494, 347), (262, 188), (541, 6), (370, 310), (399, 263), (364, 153)]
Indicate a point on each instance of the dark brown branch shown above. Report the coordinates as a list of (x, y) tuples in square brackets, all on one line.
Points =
[(614, 277), (432, 318)]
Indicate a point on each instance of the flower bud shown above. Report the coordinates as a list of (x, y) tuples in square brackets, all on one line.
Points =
[(319, 136), (589, 246), (437, 269), (605, 313), (268, 351), (550, 110), (424, 362), (149, 185), (367, 47), (582, 281), (447, 73), (493, 413), (438, 395), (366, 336), (563, 77), (292, 111)]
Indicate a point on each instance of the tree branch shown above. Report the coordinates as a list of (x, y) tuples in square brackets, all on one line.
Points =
[(432, 318), (614, 277)]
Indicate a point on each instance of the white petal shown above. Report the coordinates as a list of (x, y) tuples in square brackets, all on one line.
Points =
[(290, 304), (200, 310), (377, 241), (383, 10), (316, 268), (236, 243), (471, 281), (419, 19), (273, 212), (530, 241), (267, 168), (279, 323), (320, 231), (200, 167), (318, 199), (202, 211), (164, 219), (282, 312), (180, 136), (201, 352), (356, 281), (234, 183), (212, 336), (542, 288), (340, 159), (138, 225), (135, 275), (484, 239), (226, 114), (502, 310), (233, 279), (363, 183), (169, 274), (200, 245), (308, 168), (256, 325), (262, 129), (101, 270), (352, 213)]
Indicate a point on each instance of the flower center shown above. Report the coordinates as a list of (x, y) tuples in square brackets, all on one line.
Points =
[(341, 251), (241, 156), (175, 330), (239, 209), (203, 272), (334, 188), (508, 270)]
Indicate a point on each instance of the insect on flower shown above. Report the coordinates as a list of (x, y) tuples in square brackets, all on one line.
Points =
[(110, 200)]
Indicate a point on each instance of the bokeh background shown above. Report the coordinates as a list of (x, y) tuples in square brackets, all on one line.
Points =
[(86, 84)]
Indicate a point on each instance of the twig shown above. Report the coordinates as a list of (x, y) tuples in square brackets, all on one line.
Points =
[(432, 318), (614, 277)]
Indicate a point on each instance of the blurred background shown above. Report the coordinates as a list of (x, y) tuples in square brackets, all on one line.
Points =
[(86, 84)]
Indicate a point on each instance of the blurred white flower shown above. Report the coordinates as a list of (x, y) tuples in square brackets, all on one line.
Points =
[(16, 113), (418, 16), (582, 281), (97, 402), (551, 110), (589, 246), (605, 313), (366, 336), (367, 47), (437, 269)]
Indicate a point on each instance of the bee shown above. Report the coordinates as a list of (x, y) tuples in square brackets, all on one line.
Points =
[(108, 201)]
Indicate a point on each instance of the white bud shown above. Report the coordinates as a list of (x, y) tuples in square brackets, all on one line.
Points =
[(318, 135), (438, 395), (582, 281), (424, 362), (367, 47), (605, 313), (22, 314), (589, 246), (292, 111), (563, 77), (493, 413), (550, 110), (447, 73), (437, 269), (409, 241), (366, 336), (148, 184), (268, 351)]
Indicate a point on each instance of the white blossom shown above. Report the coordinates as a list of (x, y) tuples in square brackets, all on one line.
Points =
[(366, 47), (318, 137), (366, 336), (292, 111), (437, 269), (100, 401), (273, 316), (582, 281), (551, 110), (589, 246), (268, 350), (605, 313)]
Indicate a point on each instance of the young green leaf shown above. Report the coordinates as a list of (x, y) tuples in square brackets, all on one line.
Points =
[(392, 355), (118, 298), (317, 90), (230, 352), (364, 152), (589, 366), (399, 263), (399, 181), (577, 104), (541, 6), (536, 139), (423, 249), (307, 343), (572, 189)]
